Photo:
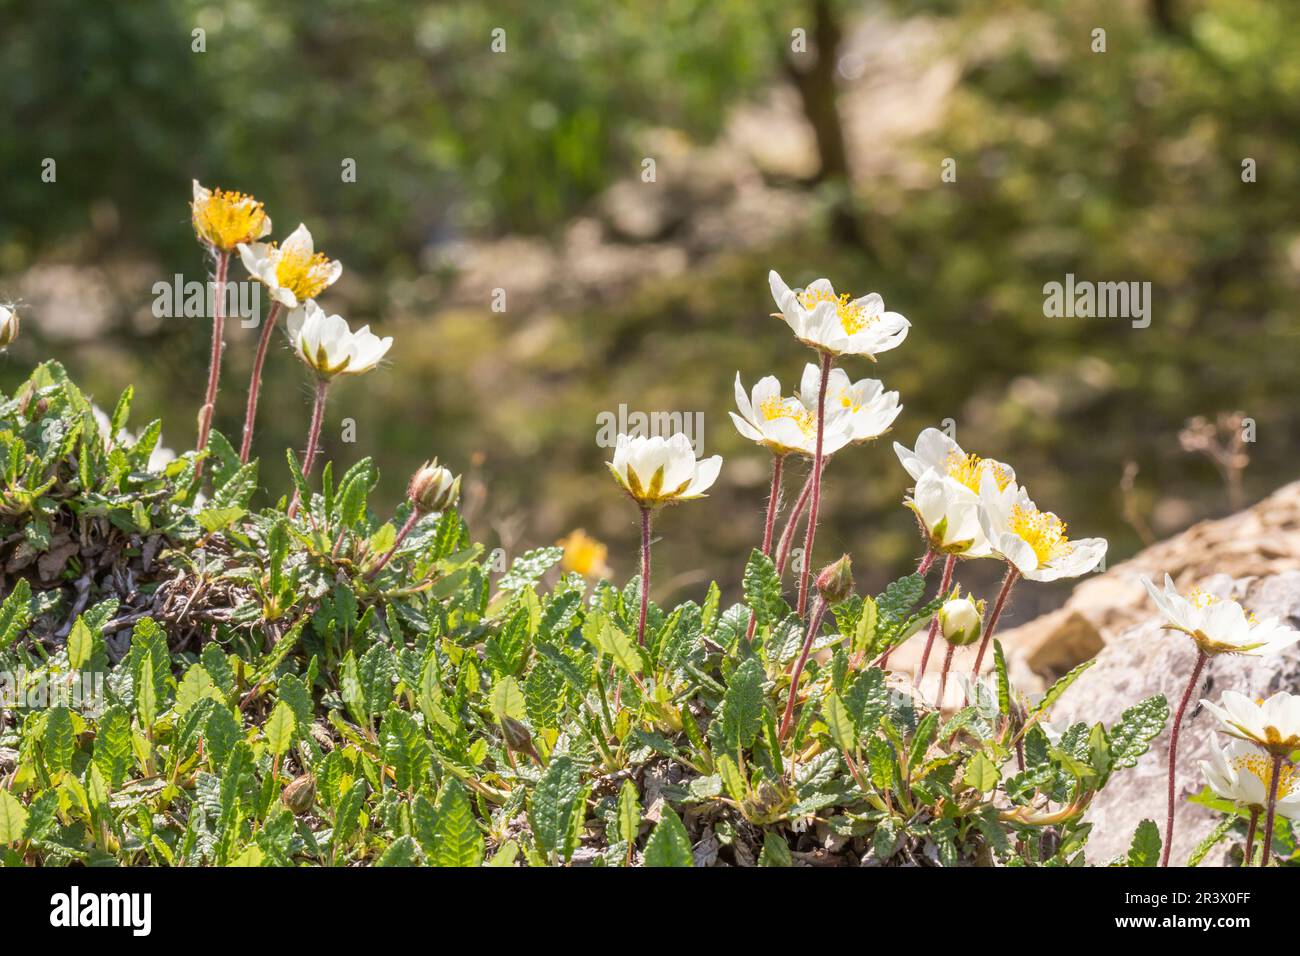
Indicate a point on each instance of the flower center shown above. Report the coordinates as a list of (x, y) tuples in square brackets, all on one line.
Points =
[(853, 317), (1262, 767), (1042, 531), (970, 471), (775, 407), (228, 218), (303, 274)]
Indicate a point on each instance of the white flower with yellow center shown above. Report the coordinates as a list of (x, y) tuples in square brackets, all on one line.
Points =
[(8, 326), (225, 219), (1273, 724), (1240, 773), (785, 424), (293, 271), (937, 452), (1217, 625), (328, 345), (1034, 542), (838, 324), (949, 515), (657, 471), (863, 408)]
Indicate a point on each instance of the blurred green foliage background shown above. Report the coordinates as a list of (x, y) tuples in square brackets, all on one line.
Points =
[(809, 137)]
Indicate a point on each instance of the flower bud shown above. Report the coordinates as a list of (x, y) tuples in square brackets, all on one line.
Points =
[(835, 582), (516, 735), (962, 621), (300, 795), (8, 326), (433, 488)]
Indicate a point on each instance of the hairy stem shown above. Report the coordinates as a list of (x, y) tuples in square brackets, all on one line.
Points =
[(787, 536), (814, 625), (255, 382), (397, 543), (1008, 583), (1272, 808), (815, 503), (943, 675), (645, 574), (1250, 835), (313, 437), (218, 344), (944, 584), (1173, 754), (774, 494)]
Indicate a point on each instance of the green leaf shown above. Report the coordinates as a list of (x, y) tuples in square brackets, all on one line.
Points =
[(218, 519), (1004, 683), (1057, 689), (1145, 850), (401, 852), (839, 722), (15, 613), (629, 813), (81, 644), (58, 744), (280, 728), (508, 700), (113, 747), (1208, 844), (742, 706), (406, 749), (447, 831), (13, 818), (763, 589), (555, 801), (926, 731), (669, 844), (1131, 735), (776, 852), (864, 632), (981, 773)]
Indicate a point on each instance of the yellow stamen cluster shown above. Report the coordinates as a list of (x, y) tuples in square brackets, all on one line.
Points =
[(1201, 599), (853, 317), (1262, 767), (306, 276), (1042, 531), (775, 407), (224, 219), (970, 471)]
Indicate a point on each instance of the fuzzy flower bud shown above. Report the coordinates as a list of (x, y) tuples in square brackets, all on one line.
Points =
[(433, 488), (300, 795), (962, 621), (835, 582), (8, 326)]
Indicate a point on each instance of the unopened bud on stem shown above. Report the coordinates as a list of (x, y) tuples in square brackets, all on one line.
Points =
[(835, 582), (8, 326), (962, 621), (433, 488)]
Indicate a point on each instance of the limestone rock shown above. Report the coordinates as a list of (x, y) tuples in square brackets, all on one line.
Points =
[(1144, 660)]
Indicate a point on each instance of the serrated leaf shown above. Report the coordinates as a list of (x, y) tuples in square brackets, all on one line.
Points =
[(669, 844), (508, 700), (81, 644), (1145, 849), (13, 818), (981, 773), (742, 705), (447, 830), (1060, 687), (15, 613), (280, 729), (1131, 735), (839, 722), (553, 805), (763, 589), (629, 813)]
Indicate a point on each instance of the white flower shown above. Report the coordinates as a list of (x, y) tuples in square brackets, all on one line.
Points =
[(331, 348), (836, 324), (8, 326), (1033, 541), (786, 425), (949, 516), (1242, 774), (961, 620), (293, 272), (1273, 724), (936, 452), (863, 408), (1219, 626), (657, 471)]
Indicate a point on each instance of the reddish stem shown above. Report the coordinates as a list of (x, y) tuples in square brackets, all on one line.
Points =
[(313, 438), (943, 674), (944, 584), (769, 522), (815, 505), (255, 383), (218, 345), (1250, 835), (1173, 754), (397, 543), (1008, 583), (814, 625), (1272, 808), (645, 573), (787, 536)]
